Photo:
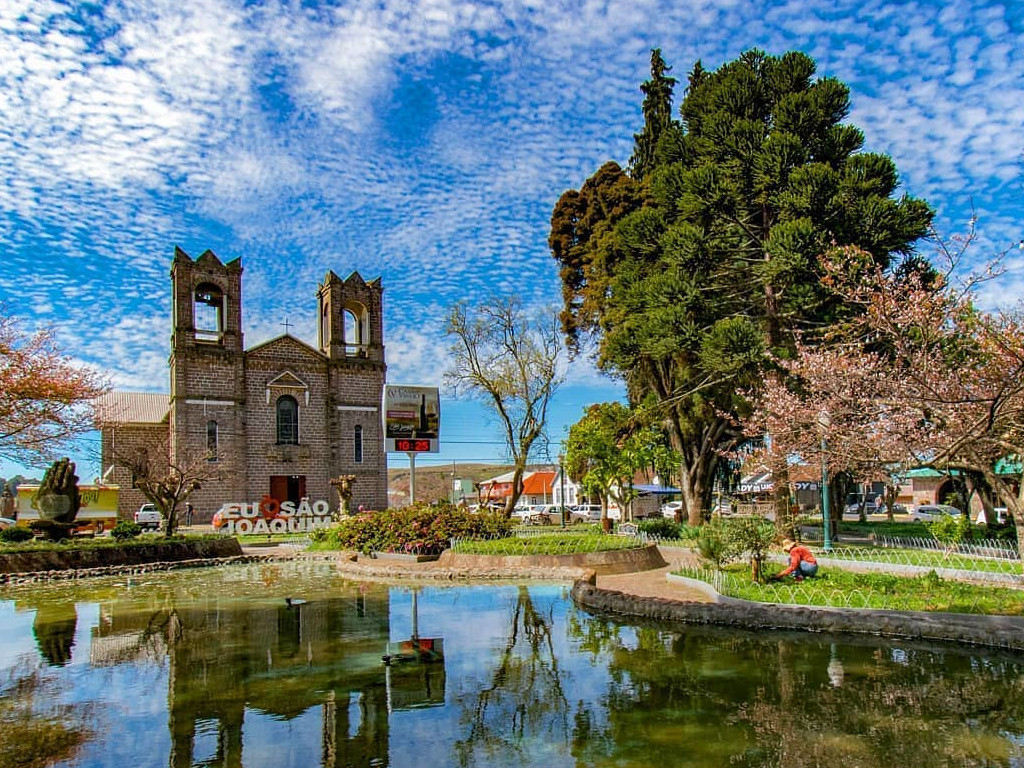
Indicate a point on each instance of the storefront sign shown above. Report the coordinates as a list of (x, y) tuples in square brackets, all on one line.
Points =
[(270, 516)]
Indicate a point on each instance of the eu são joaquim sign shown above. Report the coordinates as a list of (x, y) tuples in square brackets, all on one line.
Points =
[(272, 516), (412, 419)]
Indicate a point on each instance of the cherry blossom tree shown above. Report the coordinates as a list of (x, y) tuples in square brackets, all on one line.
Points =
[(44, 395), (919, 376)]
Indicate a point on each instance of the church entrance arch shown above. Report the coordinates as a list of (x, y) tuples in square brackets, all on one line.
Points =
[(288, 487)]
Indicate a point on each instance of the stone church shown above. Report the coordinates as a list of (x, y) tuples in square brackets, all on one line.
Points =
[(282, 418)]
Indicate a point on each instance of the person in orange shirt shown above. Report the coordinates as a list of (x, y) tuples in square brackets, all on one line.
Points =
[(801, 562)]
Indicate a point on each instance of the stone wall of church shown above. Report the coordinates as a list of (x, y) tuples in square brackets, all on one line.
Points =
[(357, 402), (192, 416), (311, 457), (127, 440)]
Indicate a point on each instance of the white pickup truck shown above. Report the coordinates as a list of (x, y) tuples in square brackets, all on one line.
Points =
[(148, 517)]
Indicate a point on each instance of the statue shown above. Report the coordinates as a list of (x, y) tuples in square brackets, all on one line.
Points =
[(57, 500), (343, 484), (7, 504)]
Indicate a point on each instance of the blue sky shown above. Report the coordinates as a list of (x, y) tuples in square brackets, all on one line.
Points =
[(423, 142)]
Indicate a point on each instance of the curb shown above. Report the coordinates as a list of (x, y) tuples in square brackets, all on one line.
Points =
[(1001, 632)]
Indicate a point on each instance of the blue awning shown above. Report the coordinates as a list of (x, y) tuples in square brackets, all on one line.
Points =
[(655, 489)]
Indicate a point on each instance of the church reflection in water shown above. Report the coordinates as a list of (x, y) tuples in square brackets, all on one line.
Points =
[(282, 659)]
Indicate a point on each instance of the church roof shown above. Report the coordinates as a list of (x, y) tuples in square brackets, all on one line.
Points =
[(285, 338), (132, 408)]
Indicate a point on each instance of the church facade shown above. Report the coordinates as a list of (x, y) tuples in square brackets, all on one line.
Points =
[(281, 419)]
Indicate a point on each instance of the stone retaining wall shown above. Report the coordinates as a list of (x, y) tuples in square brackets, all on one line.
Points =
[(990, 631), (92, 559), (607, 562)]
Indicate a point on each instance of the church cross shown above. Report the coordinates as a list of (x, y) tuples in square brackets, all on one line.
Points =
[(286, 325)]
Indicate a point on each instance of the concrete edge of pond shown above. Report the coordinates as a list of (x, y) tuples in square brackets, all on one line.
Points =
[(1003, 632)]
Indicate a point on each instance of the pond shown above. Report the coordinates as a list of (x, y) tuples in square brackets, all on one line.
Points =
[(284, 665)]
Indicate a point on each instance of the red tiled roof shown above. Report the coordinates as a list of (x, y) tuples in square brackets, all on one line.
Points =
[(538, 483)]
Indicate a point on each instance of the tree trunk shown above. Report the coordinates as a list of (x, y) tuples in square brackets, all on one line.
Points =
[(784, 518)]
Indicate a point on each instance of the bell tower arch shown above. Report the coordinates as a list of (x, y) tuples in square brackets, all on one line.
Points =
[(350, 326), (351, 335), (207, 364)]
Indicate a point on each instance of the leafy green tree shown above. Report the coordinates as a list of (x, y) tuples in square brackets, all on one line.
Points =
[(606, 448), (689, 273)]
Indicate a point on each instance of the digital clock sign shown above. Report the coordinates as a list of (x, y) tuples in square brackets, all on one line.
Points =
[(410, 446), (412, 419)]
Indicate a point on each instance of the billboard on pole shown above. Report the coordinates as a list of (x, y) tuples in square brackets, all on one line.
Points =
[(412, 419)]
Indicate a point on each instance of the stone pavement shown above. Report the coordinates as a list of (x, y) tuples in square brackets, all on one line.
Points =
[(655, 583)]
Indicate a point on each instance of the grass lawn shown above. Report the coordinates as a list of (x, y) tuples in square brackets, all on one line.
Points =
[(838, 588), (554, 543), (925, 558)]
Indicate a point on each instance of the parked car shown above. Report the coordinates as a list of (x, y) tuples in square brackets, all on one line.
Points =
[(586, 513), (929, 512), (854, 508), (670, 508), (548, 514), (148, 517), (523, 513)]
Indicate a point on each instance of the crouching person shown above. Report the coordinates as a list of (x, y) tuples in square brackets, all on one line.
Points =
[(801, 562)]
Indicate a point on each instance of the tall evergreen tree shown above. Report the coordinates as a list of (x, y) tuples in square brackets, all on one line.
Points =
[(658, 122), (714, 261)]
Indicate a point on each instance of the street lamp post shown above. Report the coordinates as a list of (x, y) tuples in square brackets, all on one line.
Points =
[(561, 483), (825, 422)]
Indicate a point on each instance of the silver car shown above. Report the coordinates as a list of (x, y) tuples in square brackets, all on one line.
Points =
[(929, 512)]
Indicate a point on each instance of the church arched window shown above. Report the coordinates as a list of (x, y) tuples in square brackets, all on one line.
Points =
[(208, 312), (358, 444), (287, 420)]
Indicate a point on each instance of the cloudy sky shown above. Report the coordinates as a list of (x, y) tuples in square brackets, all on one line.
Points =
[(425, 142)]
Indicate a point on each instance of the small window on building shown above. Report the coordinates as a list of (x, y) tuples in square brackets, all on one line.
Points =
[(211, 441), (208, 313), (287, 420), (358, 440)]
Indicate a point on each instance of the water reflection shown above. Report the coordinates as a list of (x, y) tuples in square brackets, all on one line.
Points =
[(284, 666), (54, 627)]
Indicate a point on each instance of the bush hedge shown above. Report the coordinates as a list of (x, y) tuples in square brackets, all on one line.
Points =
[(15, 534), (421, 529), (661, 527)]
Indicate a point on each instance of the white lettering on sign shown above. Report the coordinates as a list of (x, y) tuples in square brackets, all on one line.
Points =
[(270, 516)]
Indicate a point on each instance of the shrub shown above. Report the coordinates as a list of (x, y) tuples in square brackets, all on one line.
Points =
[(423, 529), (16, 534), (125, 529), (752, 536), (714, 543), (950, 530), (661, 527)]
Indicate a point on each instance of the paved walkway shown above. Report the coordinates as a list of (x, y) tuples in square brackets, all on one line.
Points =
[(654, 583)]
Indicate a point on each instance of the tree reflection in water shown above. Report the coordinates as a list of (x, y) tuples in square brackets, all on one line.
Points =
[(726, 698), (524, 703), (54, 627), (35, 732)]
